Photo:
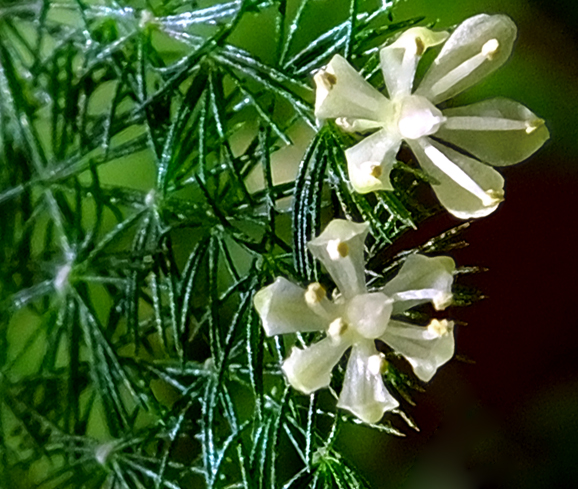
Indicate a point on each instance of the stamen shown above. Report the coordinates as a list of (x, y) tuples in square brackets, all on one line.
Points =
[(490, 48), (443, 300), (337, 329), (531, 126), (345, 123), (372, 169), (376, 364), (488, 52), (376, 171), (496, 195), (473, 123), (328, 80), (488, 198), (356, 125), (440, 328), (337, 249), (315, 293), (419, 46)]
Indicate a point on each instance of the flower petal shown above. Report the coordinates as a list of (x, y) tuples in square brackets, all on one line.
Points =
[(466, 187), (343, 92), (426, 349), (309, 369), (498, 131), (478, 46), (422, 279), (283, 309), (363, 392), (340, 248), (370, 162), (369, 313), (399, 60)]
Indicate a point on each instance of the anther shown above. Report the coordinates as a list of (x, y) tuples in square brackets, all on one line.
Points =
[(375, 170), (440, 328), (315, 293), (337, 329), (490, 48), (345, 124), (337, 249), (531, 126), (376, 364), (327, 79), (443, 300), (494, 196), (419, 46)]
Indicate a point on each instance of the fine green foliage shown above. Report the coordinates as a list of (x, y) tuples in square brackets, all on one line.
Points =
[(132, 241)]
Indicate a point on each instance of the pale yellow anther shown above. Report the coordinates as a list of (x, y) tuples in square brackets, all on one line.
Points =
[(442, 301), (440, 328), (336, 329), (345, 124), (337, 249), (315, 293), (531, 126), (490, 48), (494, 197), (376, 364)]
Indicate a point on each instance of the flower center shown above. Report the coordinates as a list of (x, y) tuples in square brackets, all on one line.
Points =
[(418, 117), (368, 314)]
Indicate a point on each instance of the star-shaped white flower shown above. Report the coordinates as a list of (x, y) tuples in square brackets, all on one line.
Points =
[(356, 318), (496, 132)]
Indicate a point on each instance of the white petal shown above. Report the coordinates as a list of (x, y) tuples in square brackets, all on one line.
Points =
[(422, 279), (363, 392), (370, 161), (466, 188), (368, 314), (399, 60), (310, 369), (478, 46), (283, 309), (343, 92), (423, 347), (340, 248), (498, 131)]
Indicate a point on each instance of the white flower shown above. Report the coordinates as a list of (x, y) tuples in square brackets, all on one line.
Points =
[(356, 318), (497, 132)]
